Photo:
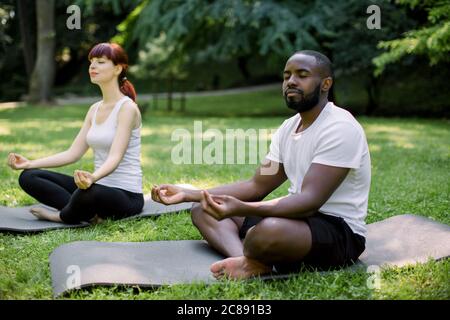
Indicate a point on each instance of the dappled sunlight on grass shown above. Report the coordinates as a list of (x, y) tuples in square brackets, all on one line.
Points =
[(152, 131), (374, 148), (10, 105), (424, 281), (31, 149), (397, 136), (4, 131)]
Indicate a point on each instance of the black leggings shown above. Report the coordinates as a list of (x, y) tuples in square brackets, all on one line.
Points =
[(59, 191)]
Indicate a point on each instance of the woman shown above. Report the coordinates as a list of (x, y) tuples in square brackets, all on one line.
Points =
[(112, 129)]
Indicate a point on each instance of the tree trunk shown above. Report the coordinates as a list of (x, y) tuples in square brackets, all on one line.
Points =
[(169, 93), (42, 78), (155, 90), (373, 88), (183, 97), (242, 64), (26, 14)]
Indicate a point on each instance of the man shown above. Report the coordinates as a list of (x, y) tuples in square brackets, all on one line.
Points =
[(323, 152)]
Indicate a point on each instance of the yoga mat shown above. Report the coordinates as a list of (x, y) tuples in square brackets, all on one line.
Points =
[(21, 220), (396, 241)]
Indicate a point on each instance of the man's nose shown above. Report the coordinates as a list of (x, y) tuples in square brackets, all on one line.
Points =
[(292, 81)]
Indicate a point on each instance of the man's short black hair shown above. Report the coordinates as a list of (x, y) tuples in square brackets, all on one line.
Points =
[(322, 60)]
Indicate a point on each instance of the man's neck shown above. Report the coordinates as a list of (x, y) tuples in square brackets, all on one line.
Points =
[(308, 117)]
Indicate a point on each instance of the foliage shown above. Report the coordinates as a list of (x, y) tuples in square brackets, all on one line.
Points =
[(431, 40), (222, 30), (6, 15), (352, 44)]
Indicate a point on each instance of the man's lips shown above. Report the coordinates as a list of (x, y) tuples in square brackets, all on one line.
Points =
[(292, 92), (93, 74)]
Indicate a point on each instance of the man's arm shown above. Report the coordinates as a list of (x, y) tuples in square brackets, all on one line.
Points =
[(269, 176), (318, 185)]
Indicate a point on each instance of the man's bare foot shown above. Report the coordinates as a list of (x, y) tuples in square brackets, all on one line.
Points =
[(44, 214), (238, 268)]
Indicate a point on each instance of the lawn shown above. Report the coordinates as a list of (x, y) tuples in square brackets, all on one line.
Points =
[(410, 174)]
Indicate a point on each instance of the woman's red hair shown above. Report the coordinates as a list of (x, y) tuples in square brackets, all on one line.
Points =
[(117, 55)]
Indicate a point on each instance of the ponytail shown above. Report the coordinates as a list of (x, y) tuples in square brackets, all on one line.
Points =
[(127, 88)]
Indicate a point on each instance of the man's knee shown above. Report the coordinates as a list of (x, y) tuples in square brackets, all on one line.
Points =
[(197, 214), (263, 239)]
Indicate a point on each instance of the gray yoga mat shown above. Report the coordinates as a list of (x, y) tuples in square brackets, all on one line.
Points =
[(397, 241), (21, 220)]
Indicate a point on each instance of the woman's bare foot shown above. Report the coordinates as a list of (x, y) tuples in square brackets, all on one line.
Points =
[(44, 214), (96, 220), (239, 268)]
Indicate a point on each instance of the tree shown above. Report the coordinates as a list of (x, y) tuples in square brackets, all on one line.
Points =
[(26, 12), (223, 30), (153, 62), (41, 80), (353, 45), (432, 39)]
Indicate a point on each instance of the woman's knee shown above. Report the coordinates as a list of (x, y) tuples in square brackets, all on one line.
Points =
[(79, 207), (84, 196), (26, 177)]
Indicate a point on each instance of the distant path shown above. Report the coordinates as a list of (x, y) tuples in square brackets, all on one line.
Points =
[(64, 100)]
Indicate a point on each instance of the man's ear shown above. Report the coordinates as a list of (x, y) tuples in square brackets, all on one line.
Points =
[(327, 83)]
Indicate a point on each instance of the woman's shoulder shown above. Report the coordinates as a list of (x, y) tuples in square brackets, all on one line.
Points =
[(130, 106), (92, 108), (129, 112), (94, 105)]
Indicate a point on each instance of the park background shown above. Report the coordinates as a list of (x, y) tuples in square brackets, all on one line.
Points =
[(221, 62)]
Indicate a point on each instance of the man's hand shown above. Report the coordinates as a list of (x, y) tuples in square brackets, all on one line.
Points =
[(221, 207), (168, 194), (83, 179)]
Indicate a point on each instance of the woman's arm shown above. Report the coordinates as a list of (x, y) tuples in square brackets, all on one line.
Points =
[(73, 154), (128, 119)]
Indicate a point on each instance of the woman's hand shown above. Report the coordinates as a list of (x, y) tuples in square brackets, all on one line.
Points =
[(18, 162), (168, 194), (83, 179)]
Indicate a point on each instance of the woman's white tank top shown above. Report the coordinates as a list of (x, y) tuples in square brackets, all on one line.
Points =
[(128, 174)]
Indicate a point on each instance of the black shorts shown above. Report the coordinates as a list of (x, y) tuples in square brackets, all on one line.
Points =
[(334, 244)]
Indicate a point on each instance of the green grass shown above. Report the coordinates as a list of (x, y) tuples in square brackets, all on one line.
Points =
[(410, 174), (255, 104)]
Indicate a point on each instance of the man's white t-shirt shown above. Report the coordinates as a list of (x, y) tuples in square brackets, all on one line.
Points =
[(335, 139)]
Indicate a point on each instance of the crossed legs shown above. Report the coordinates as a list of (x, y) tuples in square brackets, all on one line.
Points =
[(271, 241), (94, 204)]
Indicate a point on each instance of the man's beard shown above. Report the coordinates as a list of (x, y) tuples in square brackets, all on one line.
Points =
[(306, 103)]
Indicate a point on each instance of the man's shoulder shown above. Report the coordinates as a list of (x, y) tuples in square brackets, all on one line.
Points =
[(289, 121), (340, 117)]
